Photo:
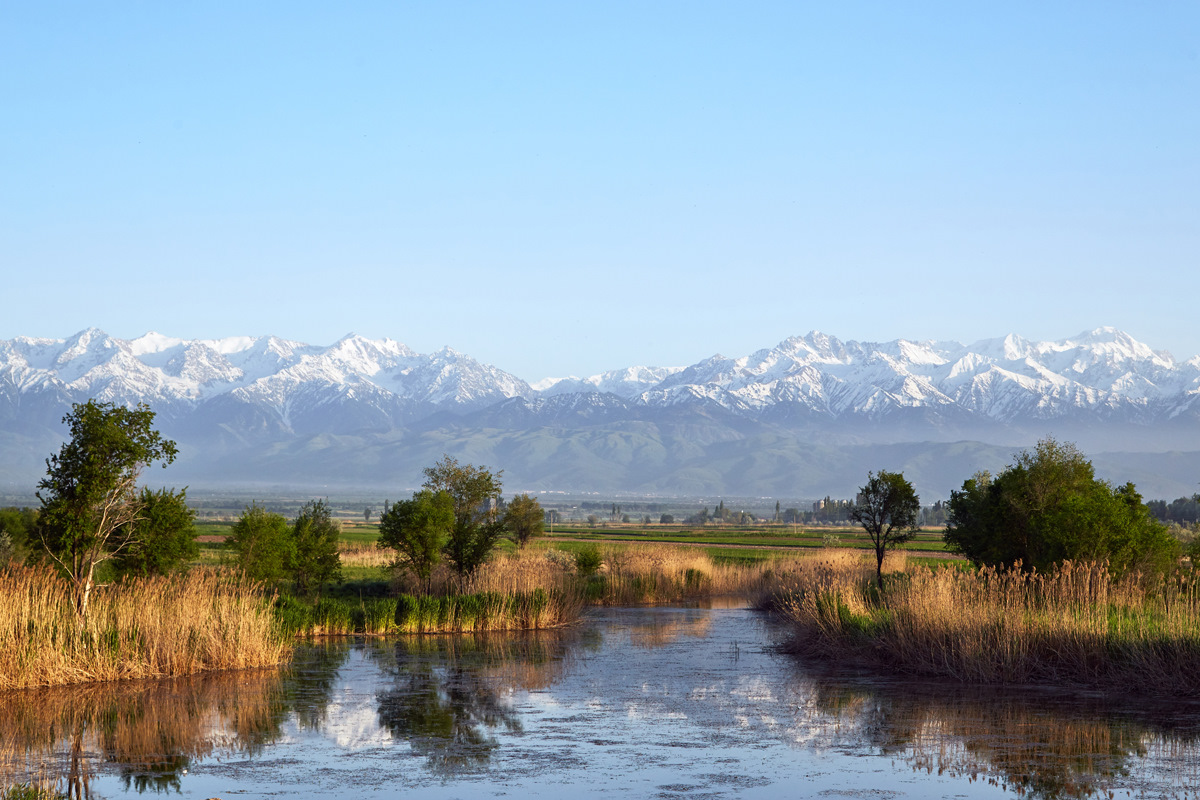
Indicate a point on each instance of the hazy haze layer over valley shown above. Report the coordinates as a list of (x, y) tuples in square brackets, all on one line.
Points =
[(805, 418)]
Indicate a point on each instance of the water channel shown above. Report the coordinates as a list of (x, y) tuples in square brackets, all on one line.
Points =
[(654, 702)]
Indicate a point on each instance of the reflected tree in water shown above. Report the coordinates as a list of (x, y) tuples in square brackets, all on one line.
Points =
[(449, 694), (152, 731), (1036, 745), (446, 715)]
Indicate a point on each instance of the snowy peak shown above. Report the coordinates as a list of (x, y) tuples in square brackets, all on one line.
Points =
[(1098, 375), (625, 383)]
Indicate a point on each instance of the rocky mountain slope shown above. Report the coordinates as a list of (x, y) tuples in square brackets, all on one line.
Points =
[(372, 412)]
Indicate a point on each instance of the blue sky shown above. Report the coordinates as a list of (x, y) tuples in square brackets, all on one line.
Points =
[(572, 187)]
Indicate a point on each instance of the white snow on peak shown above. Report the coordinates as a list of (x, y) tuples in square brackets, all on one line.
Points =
[(152, 343), (1003, 379)]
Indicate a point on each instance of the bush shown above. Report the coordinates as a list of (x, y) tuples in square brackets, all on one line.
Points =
[(1048, 508), (588, 561), (263, 548)]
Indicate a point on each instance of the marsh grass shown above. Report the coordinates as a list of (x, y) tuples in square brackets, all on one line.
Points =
[(519, 591), (650, 574), (364, 555), (1075, 625), (149, 628)]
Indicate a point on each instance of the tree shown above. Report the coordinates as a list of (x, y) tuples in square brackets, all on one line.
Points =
[(162, 538), (417, 530), (524, 519), (887, 510), (475, 492), (89, 492), (666, 519), (315, 543), (1048, 507), (18, 526), (262, 543)]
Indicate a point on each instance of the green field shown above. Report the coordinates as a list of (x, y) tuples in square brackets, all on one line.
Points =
[(779, 538), (723, 544)]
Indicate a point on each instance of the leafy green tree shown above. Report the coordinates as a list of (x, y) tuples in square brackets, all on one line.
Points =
[(262, 544), (887, 510), (316, 560), (18, 527), (90, 489), (475, 492), (418, 530), (666, 519), (1048, 507), (524, 518), (162, 538)]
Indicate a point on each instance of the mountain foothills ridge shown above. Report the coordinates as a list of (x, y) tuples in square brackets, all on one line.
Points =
[(804, 418)]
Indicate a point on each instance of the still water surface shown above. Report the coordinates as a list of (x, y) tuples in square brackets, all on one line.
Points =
[(657, 702)]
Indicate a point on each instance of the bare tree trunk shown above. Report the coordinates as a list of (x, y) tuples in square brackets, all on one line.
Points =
[(85, 591)]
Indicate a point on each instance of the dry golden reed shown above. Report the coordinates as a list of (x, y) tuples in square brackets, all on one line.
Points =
[(660, 573), (149, 628), (363, 554), (1075, 625)]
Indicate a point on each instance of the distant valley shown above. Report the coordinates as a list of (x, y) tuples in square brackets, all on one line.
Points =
[(803, 419)]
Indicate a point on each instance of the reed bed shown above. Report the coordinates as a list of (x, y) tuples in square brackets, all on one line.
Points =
[(364, 554), (521, 591), (458, 613), (150, 628), (649, 574), (1075, 625)]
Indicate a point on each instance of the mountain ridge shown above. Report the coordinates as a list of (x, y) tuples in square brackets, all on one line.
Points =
[(231, 400)]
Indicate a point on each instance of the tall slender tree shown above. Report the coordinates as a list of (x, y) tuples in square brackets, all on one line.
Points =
[(90, 489)]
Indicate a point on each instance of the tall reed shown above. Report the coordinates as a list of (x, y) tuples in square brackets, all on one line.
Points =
[(149, 628), (521, 591), (1075, 625), (648, 574)]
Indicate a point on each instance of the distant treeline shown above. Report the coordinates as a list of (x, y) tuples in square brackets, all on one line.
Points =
[(1183, 510)]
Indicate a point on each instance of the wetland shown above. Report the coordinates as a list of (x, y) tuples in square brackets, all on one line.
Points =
[(666, 702)]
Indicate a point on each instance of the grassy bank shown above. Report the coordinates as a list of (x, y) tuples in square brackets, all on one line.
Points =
[(457, 613), (151, 628), (1074, 626), (532, 589)]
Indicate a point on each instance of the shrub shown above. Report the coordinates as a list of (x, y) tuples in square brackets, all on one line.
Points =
[(587, 561), (1048, 508)]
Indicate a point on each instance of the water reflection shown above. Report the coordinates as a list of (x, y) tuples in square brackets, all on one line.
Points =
[(151, 732), (446, 695), (660, 631), (671, 701), (1032, 741)]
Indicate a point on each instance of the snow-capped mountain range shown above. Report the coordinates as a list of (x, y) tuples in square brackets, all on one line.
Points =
[(244, 391)]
